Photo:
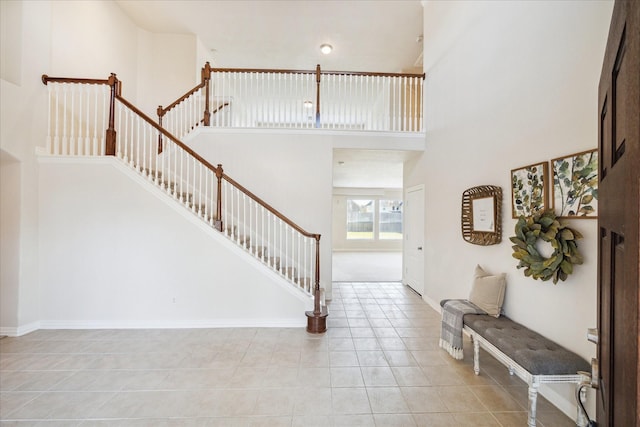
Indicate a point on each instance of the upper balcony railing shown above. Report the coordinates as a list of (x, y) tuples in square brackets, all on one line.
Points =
[(298, 99)]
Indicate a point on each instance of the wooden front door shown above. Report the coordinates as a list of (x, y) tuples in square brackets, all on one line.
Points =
[(618, 221)]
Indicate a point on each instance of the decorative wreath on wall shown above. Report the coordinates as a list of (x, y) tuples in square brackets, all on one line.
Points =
[(546, 227)]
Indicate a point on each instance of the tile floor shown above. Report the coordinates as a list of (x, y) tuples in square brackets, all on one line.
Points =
[(378, 365)]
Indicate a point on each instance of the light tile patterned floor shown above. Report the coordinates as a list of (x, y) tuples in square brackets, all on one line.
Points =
[(378, 365)]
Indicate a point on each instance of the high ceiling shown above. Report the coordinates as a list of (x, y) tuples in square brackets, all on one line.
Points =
[(367, 35)]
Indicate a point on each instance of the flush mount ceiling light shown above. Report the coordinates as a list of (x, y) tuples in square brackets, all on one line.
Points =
[(326, 48)]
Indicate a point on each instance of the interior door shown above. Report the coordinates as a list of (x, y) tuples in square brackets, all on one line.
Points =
[(618, 220), (413, 257)]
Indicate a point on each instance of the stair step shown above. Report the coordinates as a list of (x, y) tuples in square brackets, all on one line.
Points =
[(274, 262), (244, 240), (304, 282), (259, 251), (290, 272)]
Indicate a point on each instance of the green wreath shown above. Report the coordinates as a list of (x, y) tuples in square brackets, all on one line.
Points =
[(545, 226)]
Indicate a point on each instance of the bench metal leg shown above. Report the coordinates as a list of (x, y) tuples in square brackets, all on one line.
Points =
[(581, 420), (476, 357), (533, 400)]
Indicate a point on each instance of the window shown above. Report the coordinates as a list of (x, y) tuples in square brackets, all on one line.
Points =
[(390, 219), (372, 219), (360, 218)]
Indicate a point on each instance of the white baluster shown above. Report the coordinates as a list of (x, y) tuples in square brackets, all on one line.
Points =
[(145, 151), (278, 235), (81, 113), (264, 242), (199, 192), (84, 113), (175, 169), (237, 219), (73, 145), (356, 101), (49, 113), (94, 140), (87, 111), (56, 134), (192, 186), (421, 105), (187, 177), (64, 141), (368, 105), (226, 204), (404, 103), (122, 139)]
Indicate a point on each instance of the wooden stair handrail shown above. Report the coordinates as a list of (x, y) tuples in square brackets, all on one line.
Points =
[(162, 111), (166, 133), (46, 79), (205, 75), (220, 107), (270, 208), (346, 73)]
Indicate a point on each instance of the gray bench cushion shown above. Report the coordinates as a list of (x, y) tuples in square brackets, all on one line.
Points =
[(535, 353)]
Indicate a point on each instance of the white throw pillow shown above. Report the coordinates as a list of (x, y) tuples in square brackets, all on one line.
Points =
[(488, 291)]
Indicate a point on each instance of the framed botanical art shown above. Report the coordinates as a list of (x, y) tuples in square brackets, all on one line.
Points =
[(575, 185), (529, 190)]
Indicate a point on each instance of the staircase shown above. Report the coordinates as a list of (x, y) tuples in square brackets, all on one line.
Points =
[(89, 117)]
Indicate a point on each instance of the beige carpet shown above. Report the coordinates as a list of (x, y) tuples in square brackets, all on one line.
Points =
[(367, 267)]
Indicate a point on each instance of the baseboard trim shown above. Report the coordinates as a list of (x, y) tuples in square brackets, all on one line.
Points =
[(19, 330), (432, 303), (568, 407), (173, 324)]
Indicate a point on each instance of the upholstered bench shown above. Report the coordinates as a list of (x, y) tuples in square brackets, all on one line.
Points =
[(532, 357)]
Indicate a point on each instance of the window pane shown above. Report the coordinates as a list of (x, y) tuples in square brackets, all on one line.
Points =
[(390, 219), (360, 219)]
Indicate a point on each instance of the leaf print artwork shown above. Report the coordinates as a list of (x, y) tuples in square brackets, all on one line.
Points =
[(528, 190), (575, 185)]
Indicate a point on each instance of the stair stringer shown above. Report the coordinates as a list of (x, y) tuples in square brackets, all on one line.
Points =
[(270, 277)]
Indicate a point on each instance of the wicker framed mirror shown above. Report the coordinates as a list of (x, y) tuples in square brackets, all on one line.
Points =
[(481, 218)]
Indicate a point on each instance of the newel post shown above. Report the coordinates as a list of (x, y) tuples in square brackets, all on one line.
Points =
[(206, 78), (318, 95), (218, 221), (110, 136), (317, 319)]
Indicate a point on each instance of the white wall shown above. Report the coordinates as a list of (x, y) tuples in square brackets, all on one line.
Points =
[(95, 38), (22, 127), (11, 41), (92, 39), (115, 254), (9, 242), (340, 241), (508, 84), (167, 69)]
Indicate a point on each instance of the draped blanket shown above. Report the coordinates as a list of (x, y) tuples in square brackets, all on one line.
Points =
[(453, 312)]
